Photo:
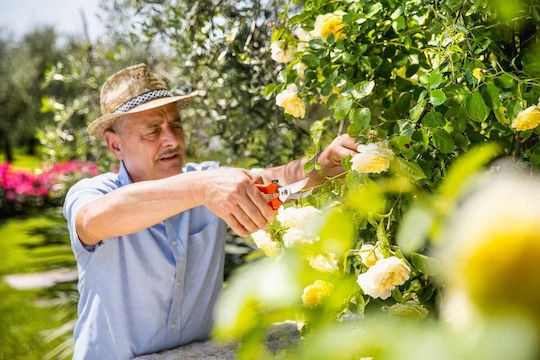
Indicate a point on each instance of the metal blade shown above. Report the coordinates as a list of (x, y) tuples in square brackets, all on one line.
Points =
[(290, 191)]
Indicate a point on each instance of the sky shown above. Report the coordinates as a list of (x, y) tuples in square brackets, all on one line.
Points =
[(21, 16)]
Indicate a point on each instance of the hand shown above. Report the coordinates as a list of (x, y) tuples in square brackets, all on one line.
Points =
[(330, 158), (232, 195)]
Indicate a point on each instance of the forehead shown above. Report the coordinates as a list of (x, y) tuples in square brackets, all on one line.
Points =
[(168, 113)]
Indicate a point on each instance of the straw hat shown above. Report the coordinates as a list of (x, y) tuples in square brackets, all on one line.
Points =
[(132, 90)]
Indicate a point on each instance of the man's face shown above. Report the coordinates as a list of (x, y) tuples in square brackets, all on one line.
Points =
[(151, 143)]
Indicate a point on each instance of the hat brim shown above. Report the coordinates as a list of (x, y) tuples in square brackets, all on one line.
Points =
[(98, 127)]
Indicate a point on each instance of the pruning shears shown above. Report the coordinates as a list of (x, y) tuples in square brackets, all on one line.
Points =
[(287, 192)]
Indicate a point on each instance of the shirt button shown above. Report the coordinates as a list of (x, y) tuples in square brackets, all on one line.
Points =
[(173, 243), (173, 326), (178, 283)]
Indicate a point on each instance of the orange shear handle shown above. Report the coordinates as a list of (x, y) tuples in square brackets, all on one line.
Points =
[(270, 189)]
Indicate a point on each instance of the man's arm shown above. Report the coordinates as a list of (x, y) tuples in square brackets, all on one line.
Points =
[(329, 158), (229, 193)]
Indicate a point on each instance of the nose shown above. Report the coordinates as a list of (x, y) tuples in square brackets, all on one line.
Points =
[(169, 138)]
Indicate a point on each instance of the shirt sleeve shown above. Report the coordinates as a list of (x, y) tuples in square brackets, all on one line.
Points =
[(82, 193)]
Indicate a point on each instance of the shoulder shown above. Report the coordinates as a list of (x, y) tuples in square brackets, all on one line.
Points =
[(102, 183), (205, 165)]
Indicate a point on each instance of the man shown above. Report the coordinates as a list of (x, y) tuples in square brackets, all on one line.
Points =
[(149, 241)]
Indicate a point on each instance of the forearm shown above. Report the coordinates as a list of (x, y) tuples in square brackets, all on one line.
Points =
[(138, 206), (292, 172)]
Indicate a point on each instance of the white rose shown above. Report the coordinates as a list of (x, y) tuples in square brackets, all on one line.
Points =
[(294, 236), (370, 254), (381, 278), (282, 52), (303, 35), (324, 263), (300, 67), (297, 216), (372, 158), (264, 242)]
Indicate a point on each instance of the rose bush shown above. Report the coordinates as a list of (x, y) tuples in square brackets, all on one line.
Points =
[(432, 94)]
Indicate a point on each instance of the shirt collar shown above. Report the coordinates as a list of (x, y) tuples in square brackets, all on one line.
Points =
[(123, 175)]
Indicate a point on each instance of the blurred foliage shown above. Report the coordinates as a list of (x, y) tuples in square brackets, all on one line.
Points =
[(36, 242), (22, 67)]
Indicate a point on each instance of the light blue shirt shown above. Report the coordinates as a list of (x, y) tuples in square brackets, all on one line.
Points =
[(147, 291)]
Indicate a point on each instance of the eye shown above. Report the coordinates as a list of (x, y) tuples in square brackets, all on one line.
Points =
[(153, 132)]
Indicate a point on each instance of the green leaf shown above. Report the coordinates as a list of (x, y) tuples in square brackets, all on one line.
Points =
[(433, 119), (396, 295), (316, 44), (316, 131), (382, 238), (308, 167), (362, 89), (434, 78), (505, 80), (426, 265), (371, 10), (399, 24), (346, 162), (465, 166), (491, 95), (361, 118), (410, 309), (476, 107), (411, 70), (417, 111), (310, 60), (532, 70), (343, 108), (414, 228), (443, 141), (437, 97), (269, 89), (410, 170)]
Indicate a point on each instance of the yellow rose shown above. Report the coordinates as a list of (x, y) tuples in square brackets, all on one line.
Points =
[(331, 23), (264, 242), (494, 247), (527, 119), (315, 294), (372, 158), (381, 278), (478, 73), (324, 263), (370, 254), (289, 100)]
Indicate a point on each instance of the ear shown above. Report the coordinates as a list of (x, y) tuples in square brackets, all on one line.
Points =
[(113, 142)]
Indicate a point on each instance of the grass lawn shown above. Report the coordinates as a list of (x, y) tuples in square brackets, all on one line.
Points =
[(23, 161), (30, 244)]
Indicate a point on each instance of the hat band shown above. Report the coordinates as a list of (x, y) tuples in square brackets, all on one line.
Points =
[(141, 99)]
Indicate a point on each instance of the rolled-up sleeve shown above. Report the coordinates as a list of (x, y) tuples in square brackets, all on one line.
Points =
[(80, 194)]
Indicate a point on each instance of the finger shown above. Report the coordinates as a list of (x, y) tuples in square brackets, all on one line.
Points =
[(244, 219), (256, 178), (341, 153), (235, 225), (349, 142), (257, 215), (261, 202)]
